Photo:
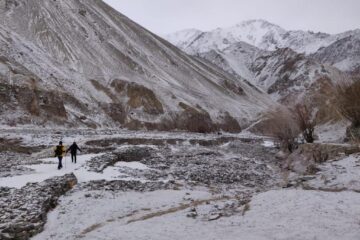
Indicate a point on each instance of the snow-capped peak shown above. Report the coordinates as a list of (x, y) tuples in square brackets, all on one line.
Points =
[(259, 23), (259, 33)]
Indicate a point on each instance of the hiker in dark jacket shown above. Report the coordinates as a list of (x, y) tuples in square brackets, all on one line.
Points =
[(73, 150), (59, 153)]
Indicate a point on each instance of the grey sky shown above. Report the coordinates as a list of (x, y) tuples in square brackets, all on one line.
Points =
[(166, 16)]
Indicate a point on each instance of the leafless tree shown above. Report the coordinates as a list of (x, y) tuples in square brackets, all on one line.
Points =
[(305, 121), (348, 101), (348, 105), (282, 125)]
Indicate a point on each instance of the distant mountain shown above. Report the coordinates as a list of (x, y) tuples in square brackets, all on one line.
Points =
[(259, 33), (287, 76), (81, 63), (285, 64), (236, 59), (343, 54)]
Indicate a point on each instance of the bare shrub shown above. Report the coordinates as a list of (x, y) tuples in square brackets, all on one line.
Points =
[(245, 209), (348, 102), (282, 125), (306, 122)]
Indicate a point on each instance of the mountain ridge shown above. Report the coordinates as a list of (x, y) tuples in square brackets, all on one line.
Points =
[(259, 33)]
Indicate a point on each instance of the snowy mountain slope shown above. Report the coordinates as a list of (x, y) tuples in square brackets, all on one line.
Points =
[(259, 33), (101, 69), (256, 32), (290, 77), (284, 74), (236, 59), (343, 54), (278, 61)]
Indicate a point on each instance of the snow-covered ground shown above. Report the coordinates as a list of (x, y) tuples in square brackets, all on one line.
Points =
[(339, 175), (332, 132), (295, 214), (326, 206), (49, 169), (281, 214)]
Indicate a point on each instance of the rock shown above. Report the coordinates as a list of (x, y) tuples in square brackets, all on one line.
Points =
[(214, 216), (131, 154), (193, 209), (192, 214), (281, 155), (307, 178), (24, 210), (122, 185)]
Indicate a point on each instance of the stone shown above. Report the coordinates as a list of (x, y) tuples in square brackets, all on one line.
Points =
[(23, 222), (214, 216), (192, 215)]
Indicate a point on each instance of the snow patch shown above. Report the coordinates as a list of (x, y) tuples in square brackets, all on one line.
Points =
[(49, 169)]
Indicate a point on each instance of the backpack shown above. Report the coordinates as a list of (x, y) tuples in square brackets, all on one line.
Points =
[(58, 151)]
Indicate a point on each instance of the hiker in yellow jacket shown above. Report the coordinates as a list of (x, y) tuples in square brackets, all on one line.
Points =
[(60, 153)]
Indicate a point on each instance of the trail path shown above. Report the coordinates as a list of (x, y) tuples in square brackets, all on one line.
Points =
[(48, 169)]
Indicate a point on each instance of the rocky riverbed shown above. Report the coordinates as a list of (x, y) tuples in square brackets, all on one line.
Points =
[(175, 183), (226, 166)]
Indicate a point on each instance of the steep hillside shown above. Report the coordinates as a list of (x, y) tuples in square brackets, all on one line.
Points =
[(344, 54), (284, 74), (285, 64), (81, 63), (236, 59), (290, 77)]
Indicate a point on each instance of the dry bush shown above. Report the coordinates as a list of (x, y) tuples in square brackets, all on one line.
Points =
[(348, 102), (305, 121), (282, 124), (245, 209)]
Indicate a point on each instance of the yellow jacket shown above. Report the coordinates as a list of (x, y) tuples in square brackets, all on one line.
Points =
[(63, 151)]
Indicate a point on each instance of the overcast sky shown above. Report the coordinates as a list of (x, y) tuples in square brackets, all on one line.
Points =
[(167, 16)]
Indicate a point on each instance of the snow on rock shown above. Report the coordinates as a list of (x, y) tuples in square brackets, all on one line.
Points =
[(132, 165), (332, 132), (269, 144), (120, 157), (23, 211)]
